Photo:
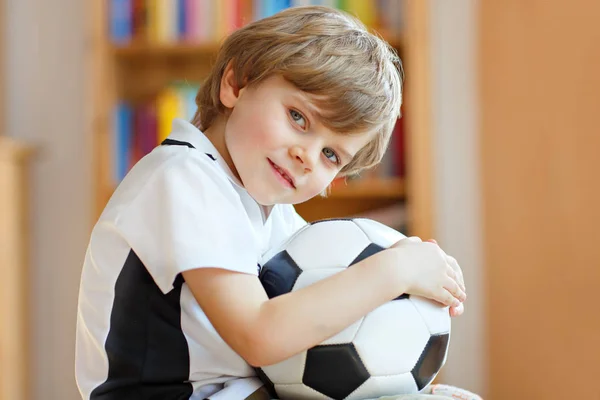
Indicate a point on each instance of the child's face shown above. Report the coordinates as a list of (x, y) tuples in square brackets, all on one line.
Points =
[(279, 149)]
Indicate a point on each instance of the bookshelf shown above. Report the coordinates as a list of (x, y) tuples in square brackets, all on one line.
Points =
[(138, 69)]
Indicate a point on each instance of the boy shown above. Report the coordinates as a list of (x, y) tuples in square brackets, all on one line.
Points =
[(170, 304)]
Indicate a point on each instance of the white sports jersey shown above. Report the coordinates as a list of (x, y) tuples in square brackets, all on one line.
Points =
[(140, 332)]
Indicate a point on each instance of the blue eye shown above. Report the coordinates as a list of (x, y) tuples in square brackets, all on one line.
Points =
[(298, 118), (331, 156)]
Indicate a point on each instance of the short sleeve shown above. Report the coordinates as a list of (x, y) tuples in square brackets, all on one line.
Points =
[(186, 216)]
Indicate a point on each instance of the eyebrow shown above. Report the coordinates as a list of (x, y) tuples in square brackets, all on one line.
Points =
[(315, 113), (306, 101)]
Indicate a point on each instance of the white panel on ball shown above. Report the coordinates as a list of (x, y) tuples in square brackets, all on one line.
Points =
[(344, 243), (436, 317), (385, 386), (379, 233), (347, 335), (299, 392), (270, 253), (391, 338), (290, 370)]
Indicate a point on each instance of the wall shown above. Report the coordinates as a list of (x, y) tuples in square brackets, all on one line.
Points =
[(540, 91), (46, 107), (454, 71)]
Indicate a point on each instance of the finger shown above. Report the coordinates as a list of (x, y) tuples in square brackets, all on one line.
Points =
[(458, 269), (432, 241), (446, 298), (454, 288), (455, 276), (459, 275), (457, 311)]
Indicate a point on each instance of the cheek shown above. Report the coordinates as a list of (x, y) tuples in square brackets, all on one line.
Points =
[(319, 182), (253, 128)]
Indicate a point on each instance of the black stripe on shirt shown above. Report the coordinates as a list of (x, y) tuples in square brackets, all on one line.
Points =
[(148, 355)]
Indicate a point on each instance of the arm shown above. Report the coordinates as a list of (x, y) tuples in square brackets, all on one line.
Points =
[(264, 331)]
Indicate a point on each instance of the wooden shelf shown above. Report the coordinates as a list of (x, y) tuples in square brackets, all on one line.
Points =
[(354, 198), (380, 189), (374, 188)]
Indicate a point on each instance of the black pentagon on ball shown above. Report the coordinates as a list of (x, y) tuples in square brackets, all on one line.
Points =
[(431, 360), (334, 370), (279, 274)]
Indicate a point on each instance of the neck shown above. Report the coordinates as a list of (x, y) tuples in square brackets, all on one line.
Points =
[(216, 134)]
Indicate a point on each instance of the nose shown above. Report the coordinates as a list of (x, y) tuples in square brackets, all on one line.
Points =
[(303, 157)]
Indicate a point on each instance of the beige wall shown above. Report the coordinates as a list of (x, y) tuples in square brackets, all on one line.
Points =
[(455, 158), (45, 87)]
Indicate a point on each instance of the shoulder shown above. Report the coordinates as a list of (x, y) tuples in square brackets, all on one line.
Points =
[(181, 164), (168, 176), (179, 212)]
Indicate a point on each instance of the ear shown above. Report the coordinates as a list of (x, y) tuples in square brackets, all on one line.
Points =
[(229, 91)]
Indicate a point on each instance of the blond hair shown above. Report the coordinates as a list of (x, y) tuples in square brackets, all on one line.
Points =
[(355, 76)]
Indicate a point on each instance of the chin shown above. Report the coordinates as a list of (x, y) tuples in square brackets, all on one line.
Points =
[(264, 202), (258, 195)]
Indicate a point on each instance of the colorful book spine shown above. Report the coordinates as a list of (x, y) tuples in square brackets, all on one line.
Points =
[(300, 3), (122, 139), (181, 24), (152, 21), (202, 21), (168, 108), (166, 20), (121, 21), (328, 3), (362, 9), (139, 20), (139, 128)]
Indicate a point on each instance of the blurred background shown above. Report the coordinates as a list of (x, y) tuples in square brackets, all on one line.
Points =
[(496, 157)]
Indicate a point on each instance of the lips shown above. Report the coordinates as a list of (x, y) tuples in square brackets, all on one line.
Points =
[(283, 173)]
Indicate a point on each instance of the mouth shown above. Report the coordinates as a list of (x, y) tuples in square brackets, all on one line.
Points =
[(284, 176)]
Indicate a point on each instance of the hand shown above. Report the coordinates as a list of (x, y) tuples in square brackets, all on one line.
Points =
[(455, 311), (425, 270), (450, 392)]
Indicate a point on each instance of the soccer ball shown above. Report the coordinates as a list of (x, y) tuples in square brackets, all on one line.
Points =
[(396, 349)]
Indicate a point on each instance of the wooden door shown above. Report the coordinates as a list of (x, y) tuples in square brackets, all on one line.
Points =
[(540, 138)]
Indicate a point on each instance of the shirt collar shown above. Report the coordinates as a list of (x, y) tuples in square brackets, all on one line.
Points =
[(184, 131)]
